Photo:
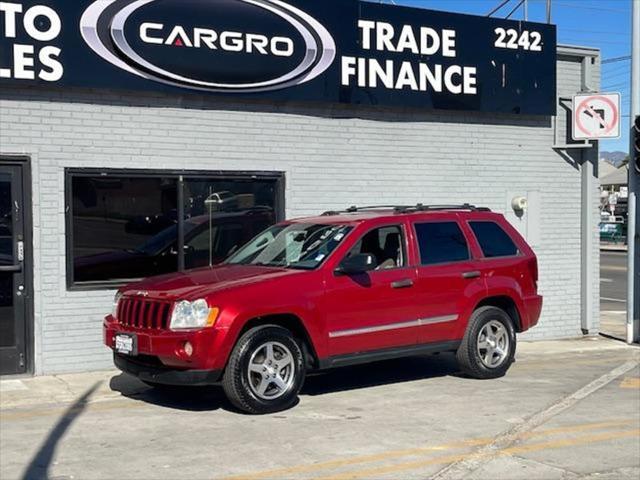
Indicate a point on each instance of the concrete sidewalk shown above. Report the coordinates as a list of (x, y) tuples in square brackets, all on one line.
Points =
[(566, 410), (24, 392), (613, 247)]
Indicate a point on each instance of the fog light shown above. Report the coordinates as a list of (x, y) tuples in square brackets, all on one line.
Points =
[(188, 349)]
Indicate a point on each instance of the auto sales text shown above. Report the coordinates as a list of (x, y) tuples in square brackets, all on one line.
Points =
[(26, 61)]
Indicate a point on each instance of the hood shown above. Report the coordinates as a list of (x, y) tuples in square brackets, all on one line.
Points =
[(201, 282)]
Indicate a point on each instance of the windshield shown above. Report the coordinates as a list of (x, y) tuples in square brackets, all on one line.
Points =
[(296, 245)]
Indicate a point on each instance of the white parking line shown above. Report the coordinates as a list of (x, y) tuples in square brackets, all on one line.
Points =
[(613, 299)]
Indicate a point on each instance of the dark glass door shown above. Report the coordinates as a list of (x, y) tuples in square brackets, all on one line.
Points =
[(12, 272)]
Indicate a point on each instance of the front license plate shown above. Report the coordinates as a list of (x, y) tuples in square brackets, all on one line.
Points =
[(125, 344)]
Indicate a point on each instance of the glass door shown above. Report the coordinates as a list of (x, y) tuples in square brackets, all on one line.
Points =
[(12, 272)]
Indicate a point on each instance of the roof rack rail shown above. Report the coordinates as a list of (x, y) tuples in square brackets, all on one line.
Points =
[(354, 209), (409, 208), (465, 206)]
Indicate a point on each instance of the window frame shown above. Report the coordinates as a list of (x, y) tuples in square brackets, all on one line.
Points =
[(470, 255), (278, 177), (404, 243), (483, 257)]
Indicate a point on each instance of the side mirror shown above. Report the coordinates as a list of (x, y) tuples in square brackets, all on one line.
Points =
[(357, 264)]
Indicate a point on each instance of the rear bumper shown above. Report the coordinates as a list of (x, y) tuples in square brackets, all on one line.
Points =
[(533, 307), (165, 375)]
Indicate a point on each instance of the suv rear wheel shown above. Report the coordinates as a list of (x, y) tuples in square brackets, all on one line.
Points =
[(489, 344), (266, 370)]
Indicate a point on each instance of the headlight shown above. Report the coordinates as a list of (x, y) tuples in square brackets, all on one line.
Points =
[(196, 314), (114, 308)]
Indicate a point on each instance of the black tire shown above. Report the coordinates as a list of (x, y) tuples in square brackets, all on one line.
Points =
[(242, 386), (469, 355)]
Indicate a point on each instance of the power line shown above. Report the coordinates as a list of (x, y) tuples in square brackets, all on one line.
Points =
[(616, 59), (589, 7), (593, 41), (616, 85), (518, 5), (502, 4), (619, 74), (606, 32), (611, 68)]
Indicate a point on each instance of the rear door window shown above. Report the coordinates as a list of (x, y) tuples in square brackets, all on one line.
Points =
[(493, 240), (441, 242)]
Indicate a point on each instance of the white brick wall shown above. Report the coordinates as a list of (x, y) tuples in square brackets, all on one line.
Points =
[(333, 157)]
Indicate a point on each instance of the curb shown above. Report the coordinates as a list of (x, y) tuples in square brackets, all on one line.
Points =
[(613, 248)]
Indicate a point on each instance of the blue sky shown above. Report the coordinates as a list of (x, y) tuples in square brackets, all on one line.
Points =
[(604, 24)]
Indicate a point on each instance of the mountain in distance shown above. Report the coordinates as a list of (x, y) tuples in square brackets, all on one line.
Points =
[(614, 158)]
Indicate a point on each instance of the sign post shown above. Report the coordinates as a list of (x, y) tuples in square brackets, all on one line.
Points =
[(633, 266)]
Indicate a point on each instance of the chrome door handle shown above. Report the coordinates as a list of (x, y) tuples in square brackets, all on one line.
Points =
[(474, 274), (402, 283)]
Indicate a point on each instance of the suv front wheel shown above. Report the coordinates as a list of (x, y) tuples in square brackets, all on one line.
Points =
[(489, 344), (265, 372)]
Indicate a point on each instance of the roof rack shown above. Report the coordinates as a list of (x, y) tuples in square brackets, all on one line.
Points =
[(409, 208)]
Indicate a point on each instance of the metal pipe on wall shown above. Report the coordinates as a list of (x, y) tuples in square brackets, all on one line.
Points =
[(633, 265)]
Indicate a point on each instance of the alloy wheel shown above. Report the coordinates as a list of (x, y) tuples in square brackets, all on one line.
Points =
[(493, 344), (271, 370)]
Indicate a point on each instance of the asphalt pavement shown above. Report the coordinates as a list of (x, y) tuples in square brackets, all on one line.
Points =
[(565, 410)]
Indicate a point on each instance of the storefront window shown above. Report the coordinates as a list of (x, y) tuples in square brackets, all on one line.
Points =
[(223, 215), (126, 226)]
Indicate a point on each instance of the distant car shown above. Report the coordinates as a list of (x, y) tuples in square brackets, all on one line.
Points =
[(229, 231), (339, 289), (615, 231)]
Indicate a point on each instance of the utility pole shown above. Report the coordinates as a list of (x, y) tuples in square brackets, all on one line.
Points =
[(633, 216)]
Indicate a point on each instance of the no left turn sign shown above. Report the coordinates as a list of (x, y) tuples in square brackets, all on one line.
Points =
[(596, 116)]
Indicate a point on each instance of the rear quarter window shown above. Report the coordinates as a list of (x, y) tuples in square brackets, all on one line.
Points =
[(493, 240)]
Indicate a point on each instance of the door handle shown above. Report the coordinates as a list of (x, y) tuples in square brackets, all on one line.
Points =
[(11, 268), (402, 283), (474, 274)]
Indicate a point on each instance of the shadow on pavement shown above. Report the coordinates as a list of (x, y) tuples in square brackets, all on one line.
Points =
[(201, 399), (381, 373), (193, 399), (39, 465)]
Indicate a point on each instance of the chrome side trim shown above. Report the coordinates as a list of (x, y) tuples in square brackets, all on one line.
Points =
[(394, 326)]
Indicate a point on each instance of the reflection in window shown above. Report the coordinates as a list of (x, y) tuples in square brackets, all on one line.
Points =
[(225, 215), (126, 227), (6, 221), (123, 227), (297, 245)]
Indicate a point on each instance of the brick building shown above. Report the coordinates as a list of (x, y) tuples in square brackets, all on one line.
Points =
[(105, 172)]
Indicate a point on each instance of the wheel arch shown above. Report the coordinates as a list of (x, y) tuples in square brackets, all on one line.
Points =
[(294, 324), (506, 303)]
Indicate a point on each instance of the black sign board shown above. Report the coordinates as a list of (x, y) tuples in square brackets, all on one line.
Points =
[(340, 51)]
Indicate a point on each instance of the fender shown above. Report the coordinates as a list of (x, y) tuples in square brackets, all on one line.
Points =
[(233, 321)]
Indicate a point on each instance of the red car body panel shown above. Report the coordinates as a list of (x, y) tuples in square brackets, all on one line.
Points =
[(340, 314)]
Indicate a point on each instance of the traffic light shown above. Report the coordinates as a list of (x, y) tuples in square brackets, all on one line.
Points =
[(635, 151)]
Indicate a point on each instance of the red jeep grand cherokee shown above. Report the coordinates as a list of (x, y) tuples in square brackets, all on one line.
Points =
[(348, 287)]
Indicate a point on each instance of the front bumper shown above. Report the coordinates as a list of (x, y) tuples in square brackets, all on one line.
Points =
[(167, 347), (149, 372)]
